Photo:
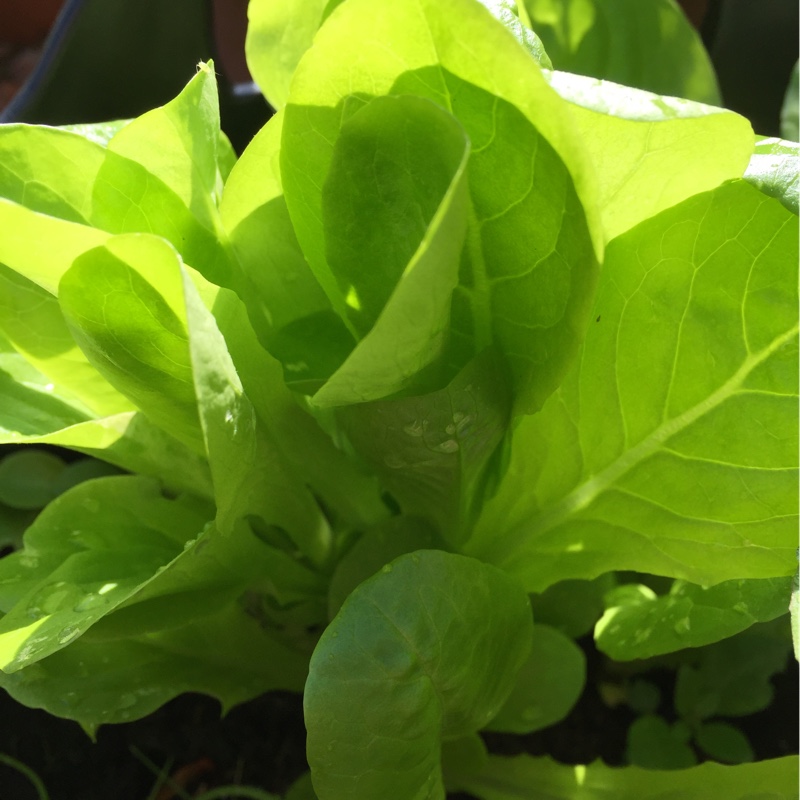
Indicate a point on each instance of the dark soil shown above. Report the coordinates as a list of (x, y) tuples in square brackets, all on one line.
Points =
[(262, 743)]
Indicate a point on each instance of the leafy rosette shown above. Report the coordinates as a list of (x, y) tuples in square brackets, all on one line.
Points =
[(428, 210)]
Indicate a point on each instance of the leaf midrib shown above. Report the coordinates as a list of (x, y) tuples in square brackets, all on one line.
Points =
[(584, 494)]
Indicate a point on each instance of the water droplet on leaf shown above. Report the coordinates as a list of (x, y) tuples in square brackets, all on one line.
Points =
[(414, 428), (682, 626), (68, 634), (447, 446)]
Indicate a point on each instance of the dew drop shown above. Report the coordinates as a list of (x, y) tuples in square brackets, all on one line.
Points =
[(447, 446), (68, 634), (53, 597), (393, 461), (530, 714), (682, 626), (126, 700), (91, 505), (90, 602), (414, 428), (450, 429), (386, 568), (463, 424), (29, 562)]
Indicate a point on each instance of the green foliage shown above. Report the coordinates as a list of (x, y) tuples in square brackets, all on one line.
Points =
[(457, 336)]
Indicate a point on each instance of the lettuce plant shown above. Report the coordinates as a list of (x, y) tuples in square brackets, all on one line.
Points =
[(462, 356)]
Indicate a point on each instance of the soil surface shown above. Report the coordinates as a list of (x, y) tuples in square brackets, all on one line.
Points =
[(262, 743)]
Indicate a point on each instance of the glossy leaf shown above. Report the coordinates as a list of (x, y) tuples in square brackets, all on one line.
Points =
[(642, 624), (426, 650), (663, 475)]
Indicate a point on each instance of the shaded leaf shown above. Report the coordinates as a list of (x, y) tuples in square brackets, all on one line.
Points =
[(426, 650)]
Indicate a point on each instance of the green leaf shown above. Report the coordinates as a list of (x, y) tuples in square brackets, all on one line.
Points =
[(288, 310), (680, 147), (395, 198), (789, 111), (226, 655), (87, 552), (278, 34), (73, 178), (124, 306), (49, 170), (98, 132), (666, 474), (548, 684), (732, 678), (426, 650), (349, 494), (378, 546), (31, 318), (42, 248), (775, 169), (247, 469), (724, 742), (648, 44), (301, 789), (29, 478), (515, 18), (655, 744), (516, 778), (642, 625), (529, 268), (128, 440), (178, 144), (431, 451), (572, 607)]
